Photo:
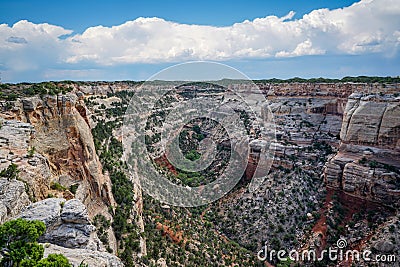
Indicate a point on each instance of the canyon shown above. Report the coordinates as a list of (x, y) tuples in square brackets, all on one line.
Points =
[(335, 173)]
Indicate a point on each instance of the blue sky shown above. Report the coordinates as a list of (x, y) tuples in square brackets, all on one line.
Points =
[(77, 15), (57, 40)]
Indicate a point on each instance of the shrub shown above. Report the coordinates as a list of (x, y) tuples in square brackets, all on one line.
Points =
[(12, 97), (53, 260), (10, 173), (57, 186), (73, 188), (363, 160), (31, 152), (19, 239), (373, 164), (193, 155)]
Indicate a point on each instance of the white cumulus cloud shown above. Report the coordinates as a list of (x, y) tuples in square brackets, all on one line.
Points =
[(369, 26)]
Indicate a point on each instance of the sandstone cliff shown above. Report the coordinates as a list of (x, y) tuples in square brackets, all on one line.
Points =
[(368, 160), (50, 141), (59, 131)]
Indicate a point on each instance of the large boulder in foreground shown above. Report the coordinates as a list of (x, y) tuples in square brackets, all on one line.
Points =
[(69, 232), (86, 256), (67, 223)]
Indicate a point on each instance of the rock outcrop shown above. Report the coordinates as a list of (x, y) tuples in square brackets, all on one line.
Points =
[(67, 223), (368, 160), (13, 198), (34, 170), (69, 231), (372, 120), (50, 140), (85, 256), (60, 132)]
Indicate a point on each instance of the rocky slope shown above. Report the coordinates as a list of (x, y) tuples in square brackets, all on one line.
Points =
[(283, 209)]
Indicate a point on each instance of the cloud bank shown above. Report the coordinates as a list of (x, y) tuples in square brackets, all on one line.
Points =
[(369, 26)]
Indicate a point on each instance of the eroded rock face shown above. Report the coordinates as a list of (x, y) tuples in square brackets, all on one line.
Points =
[(57, 126), (34, 170), (367, 164), (67, 223), (372, 120), (13, 198)]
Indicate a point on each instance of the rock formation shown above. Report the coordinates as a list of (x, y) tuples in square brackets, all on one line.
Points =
[(85, 256), (368, 160), (69, 231), (67, 223), (63, 135), (56, 130), (64, 180), (13, 198)]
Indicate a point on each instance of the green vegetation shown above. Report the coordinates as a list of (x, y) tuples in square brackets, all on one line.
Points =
[(31, 152), (373, 164), (191, 179), (285, 263), (11, 172), (73, 188), (12, 97), (119, 108), (347, 79), (193, 155), (110, 152), (57, 186), (46, 88), (189, 238), (323, 146), (102, 226), (19, 247), (102, 132), (124, 223), (11, 92), (363, 160), (53, 260)]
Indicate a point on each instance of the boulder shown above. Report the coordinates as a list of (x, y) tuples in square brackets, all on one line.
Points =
[(383, 246), (47, 211), (67, 223), (86, 256), (74, 212)]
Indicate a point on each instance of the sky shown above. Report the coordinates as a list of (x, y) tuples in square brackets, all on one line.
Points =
[(132, 40)]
